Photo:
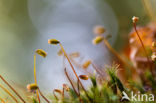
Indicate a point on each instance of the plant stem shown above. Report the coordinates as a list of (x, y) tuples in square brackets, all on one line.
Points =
[(118, 56), (2, 100), (35, 79), (9, 93), (43, 96), (63, 94), (97, 70), (55, 95), (73, 85), (114, 52), (35, 69), (12, 88), (66, 73), (134, 24), (78, 87), (65, 54)]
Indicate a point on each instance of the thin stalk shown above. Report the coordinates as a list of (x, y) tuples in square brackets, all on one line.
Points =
[(134, 24), (66, 73), (97, 70), (9, 93), (43, 96), (65, 54), (114, 51), (12, 88), (55, 95), (73, 85), (117, 55), (35, 69), (58, 91), (35, 79), (78, 87), (75, 63), (63, 94), (2, 100)]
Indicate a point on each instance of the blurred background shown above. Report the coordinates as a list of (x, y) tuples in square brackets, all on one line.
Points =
[(26, 25)]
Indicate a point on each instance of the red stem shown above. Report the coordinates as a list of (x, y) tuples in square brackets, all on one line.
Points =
[(73, 85), (78, 87), (55, 95), (134, 24), (43, 96), (70, 81), (12, 88), (72, 66)]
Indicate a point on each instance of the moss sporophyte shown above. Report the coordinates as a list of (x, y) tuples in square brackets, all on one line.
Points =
[(108, 84)]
